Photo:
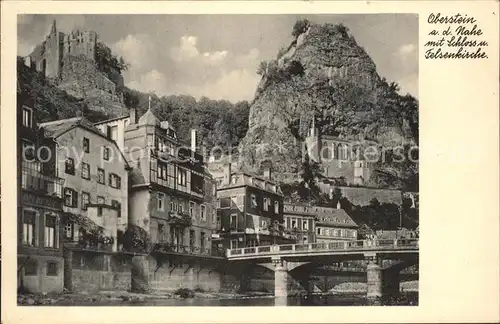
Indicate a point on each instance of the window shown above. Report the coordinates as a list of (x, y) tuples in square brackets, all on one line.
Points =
[(70, 197), (85, 171), (180, 207), (173, 206), (114, 181), (29, 234), (161, 232), (266, 204), (51, 268), (253, 201), (234, 221), (203, 212), (162, 171), (202, 241), (30, 267), (50, 231), (85, 200), (28, 151), (305, 224), (113, 133), (318, 230), (264, 224), (218, 221), (191, 238), (234, 180), (354, 234), (100, 201), (294, 223), (86, 145), (191, 209), (69, 230), (225, 202), (276, 207), (181, 177), (218, 203), (69, 166), (116, 204), (27, 117), (101, 176), (161, 202), (106, 153)]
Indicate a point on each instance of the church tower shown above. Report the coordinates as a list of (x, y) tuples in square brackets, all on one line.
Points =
[(312, 142)]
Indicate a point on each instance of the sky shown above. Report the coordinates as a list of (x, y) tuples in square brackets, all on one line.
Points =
[(216, 56)]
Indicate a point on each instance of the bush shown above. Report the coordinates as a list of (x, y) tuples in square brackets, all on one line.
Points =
[(199, 289), (184, 293)]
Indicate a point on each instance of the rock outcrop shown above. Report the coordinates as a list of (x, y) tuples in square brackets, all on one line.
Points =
[(323, 77)]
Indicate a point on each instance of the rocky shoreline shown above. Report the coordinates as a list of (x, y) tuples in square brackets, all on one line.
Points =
[(67, 298)]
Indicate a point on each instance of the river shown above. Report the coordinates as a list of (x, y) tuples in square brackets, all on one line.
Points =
[(311, 300)]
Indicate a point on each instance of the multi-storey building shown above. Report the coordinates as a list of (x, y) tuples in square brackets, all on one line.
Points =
[(96, 183), (171, 194), (115, 129), (334, 224), (39, 252), (300, 221), (250, 210)]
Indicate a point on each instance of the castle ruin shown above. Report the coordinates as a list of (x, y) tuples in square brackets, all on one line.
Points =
[(70, 60)]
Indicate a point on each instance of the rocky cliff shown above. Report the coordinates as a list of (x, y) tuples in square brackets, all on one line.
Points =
[(322, 76)]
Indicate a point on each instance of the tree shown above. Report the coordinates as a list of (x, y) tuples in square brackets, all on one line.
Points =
[(261, 69), (300, 27), (107, 62)]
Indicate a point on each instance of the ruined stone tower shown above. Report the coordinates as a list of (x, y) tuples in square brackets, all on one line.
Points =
[(70, 61)]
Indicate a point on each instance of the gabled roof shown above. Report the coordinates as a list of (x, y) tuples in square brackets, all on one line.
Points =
[(149, 118), (112, 119), (334, 217), (56, 128)]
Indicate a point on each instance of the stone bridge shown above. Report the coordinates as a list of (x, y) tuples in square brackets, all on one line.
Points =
[(385, 260)]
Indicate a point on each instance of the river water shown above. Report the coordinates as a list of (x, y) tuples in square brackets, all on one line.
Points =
[(311, 300)]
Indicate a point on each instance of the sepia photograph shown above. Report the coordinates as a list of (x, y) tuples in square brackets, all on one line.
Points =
[(217, 160)]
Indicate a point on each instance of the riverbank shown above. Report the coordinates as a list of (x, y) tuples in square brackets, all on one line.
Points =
[(127, 297), (69, 299)]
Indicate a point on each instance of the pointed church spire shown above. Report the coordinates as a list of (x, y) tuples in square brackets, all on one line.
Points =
[(53, 29)]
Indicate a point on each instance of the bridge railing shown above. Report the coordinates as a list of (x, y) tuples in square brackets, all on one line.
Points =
[(362, 245)]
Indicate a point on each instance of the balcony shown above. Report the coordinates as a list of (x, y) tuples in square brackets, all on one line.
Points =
[(32, 179), (182, 156), (180, 219), (184, 249)]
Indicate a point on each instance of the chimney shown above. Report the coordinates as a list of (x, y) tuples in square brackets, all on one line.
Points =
[(227, 174), (338, 205), (267, 173), (133, 115), (194, 135)]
